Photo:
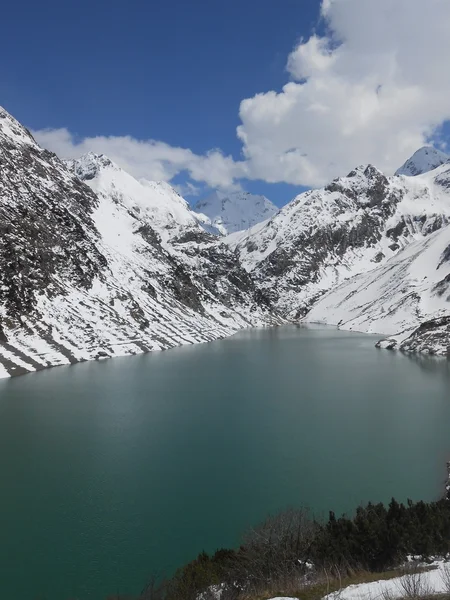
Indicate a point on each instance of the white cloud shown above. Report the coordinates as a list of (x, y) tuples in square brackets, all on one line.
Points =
[(311, 58), (373, 88), (148, 159), (189, 189), (377, 87)]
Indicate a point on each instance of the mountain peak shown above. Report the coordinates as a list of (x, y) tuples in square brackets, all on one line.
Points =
[(234, 211), (11, 128), (158, 201), (425, 159), (89, 165)]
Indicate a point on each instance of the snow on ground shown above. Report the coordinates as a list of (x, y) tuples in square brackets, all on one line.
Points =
[(429, 582)]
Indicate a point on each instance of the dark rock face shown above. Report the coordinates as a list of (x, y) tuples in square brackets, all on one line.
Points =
[(46, 231), (431, 337), (443, 287), (184, 288), (377, 189), (149, 235), (196, 237), (445, 256), (379, 257), (386, 344)]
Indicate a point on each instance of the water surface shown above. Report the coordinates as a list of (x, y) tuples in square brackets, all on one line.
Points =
[(113, 470)]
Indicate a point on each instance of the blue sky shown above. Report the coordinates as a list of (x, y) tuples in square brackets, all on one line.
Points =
[(169, 70), (161, 85)]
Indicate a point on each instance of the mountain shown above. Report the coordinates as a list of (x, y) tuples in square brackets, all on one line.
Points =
[(408, 298), (155, 201), (352, 225), (424, 160), (231, 212), (95, 264)]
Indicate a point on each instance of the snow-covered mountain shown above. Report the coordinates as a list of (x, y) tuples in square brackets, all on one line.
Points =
[(111, 268), (94, 263), (156, 201), (352, 225), (408, 298), (235, 211), (424, 160)]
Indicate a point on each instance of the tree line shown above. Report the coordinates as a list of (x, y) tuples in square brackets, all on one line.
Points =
[(292, 548)]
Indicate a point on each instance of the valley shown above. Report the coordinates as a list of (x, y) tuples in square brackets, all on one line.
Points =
[(97, 264)]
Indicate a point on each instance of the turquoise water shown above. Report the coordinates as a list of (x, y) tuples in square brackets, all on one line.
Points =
[(111, 471)]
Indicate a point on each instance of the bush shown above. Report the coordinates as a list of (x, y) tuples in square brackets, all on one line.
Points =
[(278, 553)]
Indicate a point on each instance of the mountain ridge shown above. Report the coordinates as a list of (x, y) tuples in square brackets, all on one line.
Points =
[(92, 271), (96, 264), (328, 235)]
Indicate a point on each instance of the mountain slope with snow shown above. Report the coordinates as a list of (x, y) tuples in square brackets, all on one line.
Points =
[(235, 211), (352, 225), (94, 263), (408, 297), (156, 200), (424, 160), (116, 268)]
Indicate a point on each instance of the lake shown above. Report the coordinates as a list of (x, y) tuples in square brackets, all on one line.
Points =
[(114, 470)]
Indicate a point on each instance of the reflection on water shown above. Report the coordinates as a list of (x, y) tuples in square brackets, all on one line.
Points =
[(436, 365)]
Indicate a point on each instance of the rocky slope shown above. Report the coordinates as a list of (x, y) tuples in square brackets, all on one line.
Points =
[(235, 211), (351, 226), (407, 298), (111, 268)]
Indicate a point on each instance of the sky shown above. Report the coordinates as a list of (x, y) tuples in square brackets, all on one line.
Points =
[(272, 96)]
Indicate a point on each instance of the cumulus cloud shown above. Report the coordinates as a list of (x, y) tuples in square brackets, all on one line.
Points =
[(373, 88), (149, 159)]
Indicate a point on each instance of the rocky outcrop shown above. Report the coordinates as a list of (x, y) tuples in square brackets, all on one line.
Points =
[(431, 337)]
